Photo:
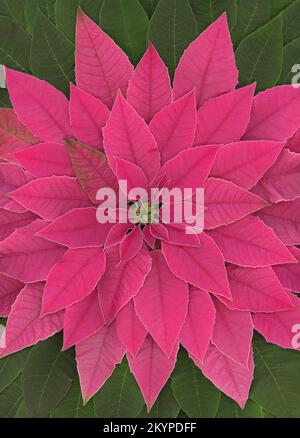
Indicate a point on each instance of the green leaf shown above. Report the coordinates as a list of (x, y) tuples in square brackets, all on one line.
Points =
[(279, 5), (66, 12), (172, 27), (229, 409), (22, 411), (127, 23), (267, 414), (72, 405), (196, 396), (149, 6), (10, 399), (251, 16), (164, 407), (276, 385), (207, 11), (182, 414), (31, 9), (291, 56), (259, 56), (11, 367), (52, 54), (47, 377), (14, 9), (14, 45), (290, 23), (120, 396)]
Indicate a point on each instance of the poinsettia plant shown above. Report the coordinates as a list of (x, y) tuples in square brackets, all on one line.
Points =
[(143, 290)]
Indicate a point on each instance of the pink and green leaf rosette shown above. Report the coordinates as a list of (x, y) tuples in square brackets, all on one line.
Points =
[(122, 293)]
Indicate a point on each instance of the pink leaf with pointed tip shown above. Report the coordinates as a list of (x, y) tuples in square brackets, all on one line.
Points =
[(148, 237), (256, 290), (127, 136), (282, 181), (284, 219), (130, 330), (250, 243), (207, 64), (190, 168), (245, 162), (116, 234), (91, 168), (88, 116), (96, 359), (11, 177), (203, 267), (174, 126), (151, 369), (45, 159), (294, 142), (224, 119), (275, 114), (289, 274), (131, 245), (278, 327), (73, 278), (9, 290), (121, 281), (150, 88), (131, 173), (178, 236), (159, 231), (226, 203), (162, 304), (13, 135), (52, 196), (232, 333), (231, 378), (82, 320), (27, 257), (39, 106), (24, 326), (102, 68), (78, 228), (10, 221), (197, 330)]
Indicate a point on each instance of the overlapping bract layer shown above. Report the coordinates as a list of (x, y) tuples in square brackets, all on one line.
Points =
[(116, 289)]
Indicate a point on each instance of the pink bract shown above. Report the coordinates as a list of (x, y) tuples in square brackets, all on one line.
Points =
[(115, 290)]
